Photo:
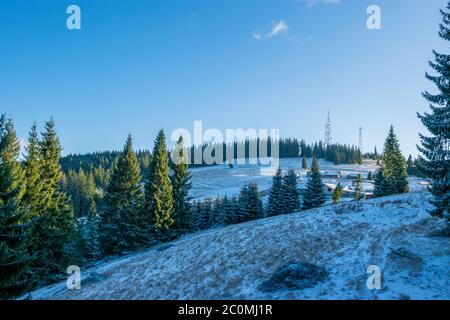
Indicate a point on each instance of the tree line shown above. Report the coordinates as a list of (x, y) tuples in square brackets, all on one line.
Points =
[(336, 153)]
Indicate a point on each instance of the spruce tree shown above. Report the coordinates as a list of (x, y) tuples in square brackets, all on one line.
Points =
[(231, 209), (205, 214), (250, 203), (291, 192), (32, 197), (276, 195), (123, 224), (391, 177), (410, 165), (218, 211), (14, 229), (304, 163), (314, 195), (337, 193), (379, 184), (359, 193), (55, 225), (181, 184), (81, 188), (88, 245), (197, 218), (435, 149), (158, 189)]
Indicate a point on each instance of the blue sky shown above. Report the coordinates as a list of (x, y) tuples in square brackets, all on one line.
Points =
[(138, 66)]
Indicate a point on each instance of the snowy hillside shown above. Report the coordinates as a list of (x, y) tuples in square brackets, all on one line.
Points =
[(394, 233)]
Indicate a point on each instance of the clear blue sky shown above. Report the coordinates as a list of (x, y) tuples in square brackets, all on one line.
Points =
[(138, 66)]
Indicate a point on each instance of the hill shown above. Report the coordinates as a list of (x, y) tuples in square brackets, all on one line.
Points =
[(395, 233)]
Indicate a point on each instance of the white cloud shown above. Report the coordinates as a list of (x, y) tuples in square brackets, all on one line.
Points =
[(278, 28), (275, 29)]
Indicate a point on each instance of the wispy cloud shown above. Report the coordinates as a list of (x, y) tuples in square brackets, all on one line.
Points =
[(279, 28), (274, 29), (311, 3)]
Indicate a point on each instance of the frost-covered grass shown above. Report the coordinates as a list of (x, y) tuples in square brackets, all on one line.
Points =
[(231, 262)]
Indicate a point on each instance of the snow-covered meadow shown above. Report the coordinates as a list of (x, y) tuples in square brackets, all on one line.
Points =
[(222, 180)]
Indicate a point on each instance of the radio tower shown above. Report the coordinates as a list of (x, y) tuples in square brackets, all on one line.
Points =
[(328, 130), (360, 140)]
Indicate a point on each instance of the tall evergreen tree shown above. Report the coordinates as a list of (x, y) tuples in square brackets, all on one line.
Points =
[(435, 149), (314, 195), (250, 203), (123, 224), (158, 189), (14, 230), (391, 177), (54, 228), (291, 192), (359, 192), (32, 197), (276, 195), (181, 184)]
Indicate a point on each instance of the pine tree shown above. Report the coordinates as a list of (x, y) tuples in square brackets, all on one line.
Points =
[(379, 184), (81, 188), (370, 176), (276, 196), (196, 223), (205, 214), (231, 208), (181, 184), (291, 193), (218, 212), (32, 197), (89, 241), (359, 193), (435, 149), (250, 203), (391, 177), (158, 189), (123, 224), (55, 225), (314, 195), (337, 193), (410, 165), (304, 163), (14, 228)]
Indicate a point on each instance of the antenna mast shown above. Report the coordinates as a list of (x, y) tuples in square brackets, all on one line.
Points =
[(360, 140), (328, 130)]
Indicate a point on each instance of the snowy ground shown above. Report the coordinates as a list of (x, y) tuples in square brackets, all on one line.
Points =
[(222, 180), (231, 262)]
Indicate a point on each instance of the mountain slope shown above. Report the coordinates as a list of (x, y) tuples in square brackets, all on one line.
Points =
[(394, 233)]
